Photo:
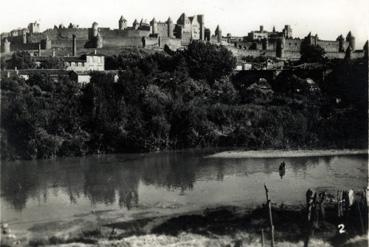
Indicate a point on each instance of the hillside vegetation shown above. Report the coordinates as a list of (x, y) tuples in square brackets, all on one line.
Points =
[(182, 99)]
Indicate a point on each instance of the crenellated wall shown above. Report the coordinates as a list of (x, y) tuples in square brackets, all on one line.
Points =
[(123, 42), (119, 34), (329, 46), (292, 45), (162, 29), (173, 44)]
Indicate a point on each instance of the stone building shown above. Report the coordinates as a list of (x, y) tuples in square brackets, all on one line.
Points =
[(91, 62)]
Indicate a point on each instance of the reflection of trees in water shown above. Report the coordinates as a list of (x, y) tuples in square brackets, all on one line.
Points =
[(127, 179), (116, 179), (103, 180), (18, 183), (173, 171), (299, 164), (282, 172), (99, 184)]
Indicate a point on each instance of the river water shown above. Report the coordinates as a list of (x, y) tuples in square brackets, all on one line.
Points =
[(127, 186)]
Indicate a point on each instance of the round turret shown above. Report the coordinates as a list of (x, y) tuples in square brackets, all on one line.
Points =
[(46, 43), (154, 26), (153, 21), (217, 30), (6, 46), (341, 42), (122, 23), (280, 46), (348, 53), (135, 24), (170, 28), (351, 40), (24, 37), (182, 19), (95, 29), (201, 21), (218, 33), (99, 41)]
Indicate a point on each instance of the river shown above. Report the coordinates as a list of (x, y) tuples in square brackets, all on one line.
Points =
[(128, 186)]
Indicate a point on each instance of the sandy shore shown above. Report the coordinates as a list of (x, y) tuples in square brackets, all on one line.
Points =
[(224, 226), (240, 154)]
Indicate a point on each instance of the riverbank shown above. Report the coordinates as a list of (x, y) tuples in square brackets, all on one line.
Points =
[(240, 154), (222, 226)]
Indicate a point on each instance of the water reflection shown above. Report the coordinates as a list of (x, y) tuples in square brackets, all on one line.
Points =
[(282, 172), (116, 178)]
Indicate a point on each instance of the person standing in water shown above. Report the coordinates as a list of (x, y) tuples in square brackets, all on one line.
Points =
[(282, 169)]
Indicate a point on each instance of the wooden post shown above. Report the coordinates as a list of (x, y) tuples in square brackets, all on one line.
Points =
[(322, 205), (310, 215), (361, 219), (339, 203), (266, 193), (269, 205), (262, 238), (270, 213)]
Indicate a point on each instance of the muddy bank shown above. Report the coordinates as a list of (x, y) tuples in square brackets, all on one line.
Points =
[(239, 154), (223, 226)]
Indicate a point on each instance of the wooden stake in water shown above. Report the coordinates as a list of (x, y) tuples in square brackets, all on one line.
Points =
[(269, 204)]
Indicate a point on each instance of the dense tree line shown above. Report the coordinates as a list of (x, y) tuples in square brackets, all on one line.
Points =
[(188, 98)]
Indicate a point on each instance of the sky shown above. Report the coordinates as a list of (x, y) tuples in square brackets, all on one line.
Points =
[(327, 18)]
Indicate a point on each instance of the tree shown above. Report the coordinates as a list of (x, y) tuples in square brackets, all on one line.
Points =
[(208, 61), (52, 63), (311, 53), (20, 60)]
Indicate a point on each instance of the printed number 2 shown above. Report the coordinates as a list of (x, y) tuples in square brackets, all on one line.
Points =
[(341, 228)]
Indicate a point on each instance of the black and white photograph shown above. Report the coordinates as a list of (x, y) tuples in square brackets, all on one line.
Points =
[(197, 123)]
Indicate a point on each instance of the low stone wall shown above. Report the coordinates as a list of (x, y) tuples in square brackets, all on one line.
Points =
[(252, 53), (173, 44)]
